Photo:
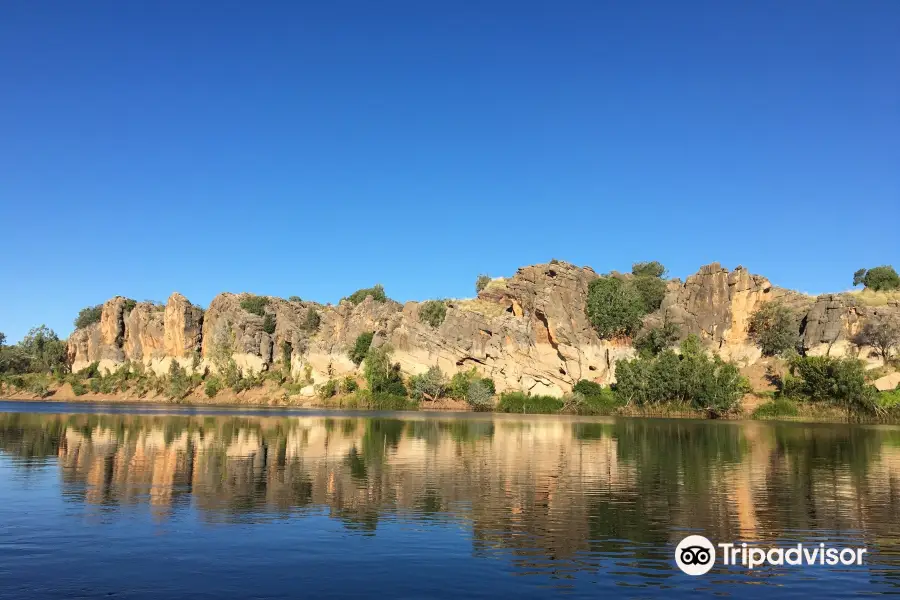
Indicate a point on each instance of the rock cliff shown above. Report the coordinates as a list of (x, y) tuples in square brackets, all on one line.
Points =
[(528, 332)]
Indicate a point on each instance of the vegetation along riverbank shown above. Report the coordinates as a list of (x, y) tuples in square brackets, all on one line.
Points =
[(554, 338)]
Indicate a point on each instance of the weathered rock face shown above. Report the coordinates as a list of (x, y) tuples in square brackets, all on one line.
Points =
[(834, 319), (144, 330), (528, 332), (716, 306), (183, 327)]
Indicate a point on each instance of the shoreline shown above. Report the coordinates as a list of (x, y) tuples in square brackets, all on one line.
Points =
[(440, 408)]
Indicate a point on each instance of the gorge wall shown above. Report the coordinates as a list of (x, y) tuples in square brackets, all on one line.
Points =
[(528, 332)]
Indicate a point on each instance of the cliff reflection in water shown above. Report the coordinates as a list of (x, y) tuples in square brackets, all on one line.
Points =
[(547, 488)]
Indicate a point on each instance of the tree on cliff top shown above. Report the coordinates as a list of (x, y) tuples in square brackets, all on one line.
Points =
[(88, 316), (482, 282), (883, 278), (648, 269), (377, 293)]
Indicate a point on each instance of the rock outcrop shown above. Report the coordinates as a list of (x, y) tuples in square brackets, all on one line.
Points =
[(834, 319), (528, 332)]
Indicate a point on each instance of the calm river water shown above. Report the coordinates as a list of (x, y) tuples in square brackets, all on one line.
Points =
[(137, 502)]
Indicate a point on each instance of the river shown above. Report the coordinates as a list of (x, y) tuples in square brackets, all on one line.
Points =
[(169, 502)]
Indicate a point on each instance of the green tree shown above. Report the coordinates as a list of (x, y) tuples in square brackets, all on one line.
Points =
[(377, 293), (44, 350), (648, 269), (2, 339), (481, 282), (88, 316), (883, 278), (614, 307), (433, 312), (652, 291), (295, 299), (361, 347), (430, 385), (775, 328), (382, 376)]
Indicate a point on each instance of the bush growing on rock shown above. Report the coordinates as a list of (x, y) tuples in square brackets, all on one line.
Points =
[(775, 328), (349, 385), (255, 305), (358, 352), (883, 278), (295, 299), (657, 339), (651, 290), (129, 306), (433, 312), (269, 323), (312, 319), (88, 316), (691, 376), (481, 282), (328, 389), (377, 293), (614, 307)]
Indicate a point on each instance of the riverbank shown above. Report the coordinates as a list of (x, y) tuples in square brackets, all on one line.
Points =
[(759, 407)]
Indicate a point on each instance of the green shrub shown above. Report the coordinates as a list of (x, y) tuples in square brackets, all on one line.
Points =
[(614, 307), (648, 269), (775, 409), (295, 299), (826, 378), (312, 319), (707, 383), (481, 282), (459, 383), (88, 316), (349, 385), (588, 388), (269, 323), (433, 312), (883, 278), (255, 305), (212, 386), (656, 339), (606, 402), (519, 402), (128, 306), (479, 395), (95, 385), (78, 388), (361, 347), (775, 328), (889, 400), (430, 385), (328, 389), (90, 371), (38, 388), (377, 293)]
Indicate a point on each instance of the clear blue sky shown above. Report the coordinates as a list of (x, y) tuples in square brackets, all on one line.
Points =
[(312, 148)]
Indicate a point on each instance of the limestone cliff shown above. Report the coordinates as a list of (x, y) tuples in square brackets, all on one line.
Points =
[(527, 332)]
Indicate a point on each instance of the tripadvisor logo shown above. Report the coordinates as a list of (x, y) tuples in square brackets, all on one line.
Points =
[(696, 555)]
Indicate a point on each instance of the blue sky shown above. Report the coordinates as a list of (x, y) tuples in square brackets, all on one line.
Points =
[(312, 148)]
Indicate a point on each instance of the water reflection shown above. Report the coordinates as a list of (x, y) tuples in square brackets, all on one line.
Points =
[(555, 494)]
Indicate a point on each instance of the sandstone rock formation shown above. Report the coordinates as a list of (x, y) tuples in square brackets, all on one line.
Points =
[(528, 332)]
